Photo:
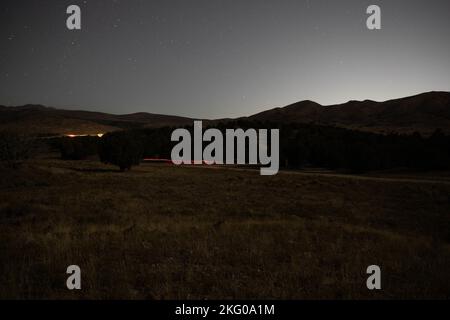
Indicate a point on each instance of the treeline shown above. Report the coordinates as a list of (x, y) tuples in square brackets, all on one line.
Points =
[(337, 148), (301, 145)]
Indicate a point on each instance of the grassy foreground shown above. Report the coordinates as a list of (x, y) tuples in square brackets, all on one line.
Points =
[(165, 232)]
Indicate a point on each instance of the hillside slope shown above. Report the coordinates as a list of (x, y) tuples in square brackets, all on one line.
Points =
[(423, 113)]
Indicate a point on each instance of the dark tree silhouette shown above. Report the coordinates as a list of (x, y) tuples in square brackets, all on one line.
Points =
[(121, 148), (301, 146), (14, 148), (311, 145), (78, 148)]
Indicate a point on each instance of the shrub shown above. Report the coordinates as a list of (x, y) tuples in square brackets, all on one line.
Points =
[(78, 148), (14, 148), (121, 148)]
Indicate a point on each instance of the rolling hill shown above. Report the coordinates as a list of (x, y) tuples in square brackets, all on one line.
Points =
[(37, 119), (423, 113)]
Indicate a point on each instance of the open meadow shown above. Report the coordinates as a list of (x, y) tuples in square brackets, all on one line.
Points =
[(166, 232)]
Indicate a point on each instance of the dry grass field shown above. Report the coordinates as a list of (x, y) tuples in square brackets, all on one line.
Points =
[(165, 232)]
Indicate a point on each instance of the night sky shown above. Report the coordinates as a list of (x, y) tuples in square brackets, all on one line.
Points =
[(219, 58)]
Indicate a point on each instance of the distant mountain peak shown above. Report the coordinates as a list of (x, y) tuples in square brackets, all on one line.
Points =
[(305, 103), (423, 112)]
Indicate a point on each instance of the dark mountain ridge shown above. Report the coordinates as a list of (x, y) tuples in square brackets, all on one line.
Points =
[(423, 113)]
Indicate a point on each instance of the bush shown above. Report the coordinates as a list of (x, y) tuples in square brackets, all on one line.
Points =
[(122, 148), (78, 148), (14, 148)]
